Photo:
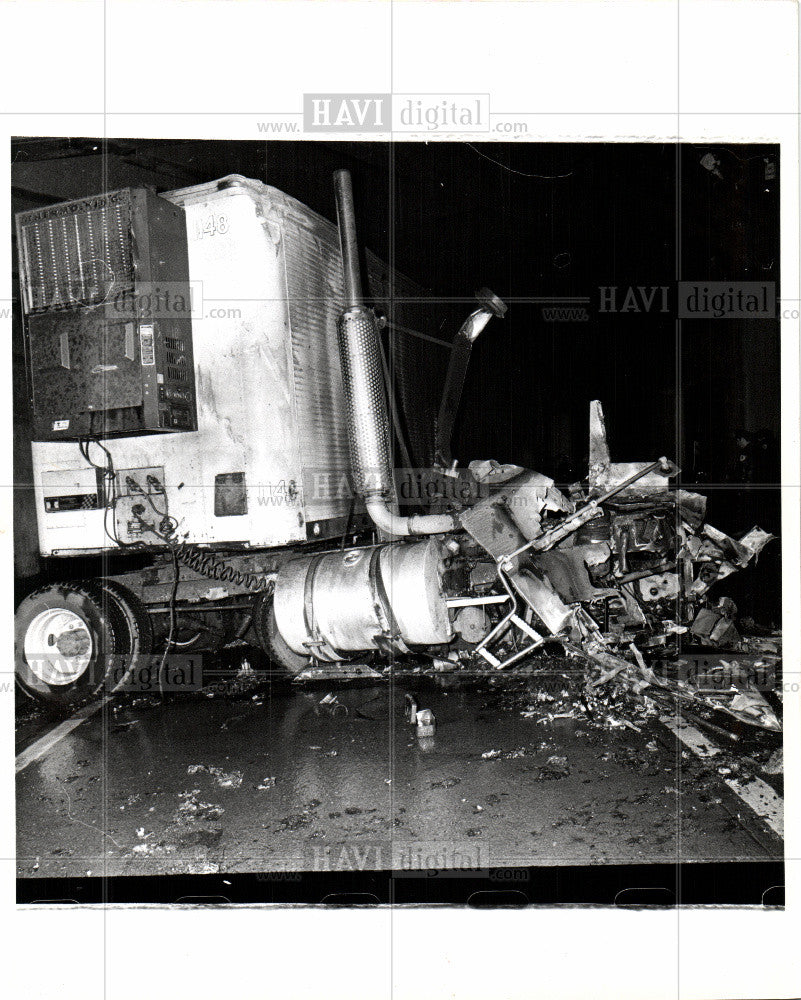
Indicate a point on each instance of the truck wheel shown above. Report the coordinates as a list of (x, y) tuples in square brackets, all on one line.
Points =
[(67, 641), (271, 640), (136, 622)]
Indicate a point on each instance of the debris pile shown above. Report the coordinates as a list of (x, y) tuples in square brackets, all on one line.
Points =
[(618, 571)]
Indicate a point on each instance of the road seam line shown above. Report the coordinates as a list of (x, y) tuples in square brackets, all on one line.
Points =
[(757, 794), (40, 747)]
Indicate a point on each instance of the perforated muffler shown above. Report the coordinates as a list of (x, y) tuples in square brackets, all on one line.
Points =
[(365, 403)]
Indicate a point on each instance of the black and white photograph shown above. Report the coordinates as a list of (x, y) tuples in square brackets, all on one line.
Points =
[(396, 507), (402, 510)]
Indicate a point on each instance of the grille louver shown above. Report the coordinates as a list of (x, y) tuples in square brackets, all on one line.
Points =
[(78, 253)]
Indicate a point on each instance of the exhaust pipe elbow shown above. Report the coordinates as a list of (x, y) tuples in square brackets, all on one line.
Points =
[(402, 527)]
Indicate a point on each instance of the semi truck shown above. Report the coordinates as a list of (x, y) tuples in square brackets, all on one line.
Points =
[(254, 418)]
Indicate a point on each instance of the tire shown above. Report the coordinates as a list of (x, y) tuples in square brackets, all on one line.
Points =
[(136, 622), (271, 640), (68, 640)]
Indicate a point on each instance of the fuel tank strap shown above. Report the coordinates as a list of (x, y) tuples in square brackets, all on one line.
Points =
[(321, 649), (391, 638)]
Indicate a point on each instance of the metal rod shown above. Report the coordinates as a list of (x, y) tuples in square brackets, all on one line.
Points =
[(498, 629), (397, 328), (346, 220), (197, 609), (469, 602), (519, 656), (393, 408), (641, 574), (586, 513), (454, 381)]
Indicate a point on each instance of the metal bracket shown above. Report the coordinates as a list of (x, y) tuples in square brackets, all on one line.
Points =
[(489, 305)]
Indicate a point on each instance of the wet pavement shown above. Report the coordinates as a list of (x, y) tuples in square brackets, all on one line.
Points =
[(272, 780)]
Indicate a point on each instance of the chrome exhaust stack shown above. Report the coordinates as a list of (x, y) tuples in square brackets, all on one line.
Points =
[(365, 400)]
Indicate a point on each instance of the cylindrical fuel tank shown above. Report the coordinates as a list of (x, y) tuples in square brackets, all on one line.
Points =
[(333, 604)]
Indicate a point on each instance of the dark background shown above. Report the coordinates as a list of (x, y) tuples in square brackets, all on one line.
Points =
[(535, 223)]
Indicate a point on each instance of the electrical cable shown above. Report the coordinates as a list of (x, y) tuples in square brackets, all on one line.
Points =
[(136, 488), (109, 486), (168, 646), (172, 524), (161, 513), (181, 551), (520, 173), (187, 642)]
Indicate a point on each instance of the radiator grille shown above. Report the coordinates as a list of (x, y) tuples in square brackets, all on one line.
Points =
[(316, 298), (77, 253)]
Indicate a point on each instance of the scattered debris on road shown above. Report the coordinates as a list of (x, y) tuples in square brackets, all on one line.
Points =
[(426, 723), (223, 779)]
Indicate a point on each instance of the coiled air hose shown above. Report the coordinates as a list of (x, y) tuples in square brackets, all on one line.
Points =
[(209, 565)]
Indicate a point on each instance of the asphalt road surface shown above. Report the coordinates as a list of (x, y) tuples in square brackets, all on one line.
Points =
[(280, 778)]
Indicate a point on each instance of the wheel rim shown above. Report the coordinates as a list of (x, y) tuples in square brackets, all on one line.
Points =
[(58, 646)]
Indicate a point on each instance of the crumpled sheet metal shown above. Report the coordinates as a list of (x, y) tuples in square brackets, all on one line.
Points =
[(734, 693), (735, 688), (719, 555), (745, 706)]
